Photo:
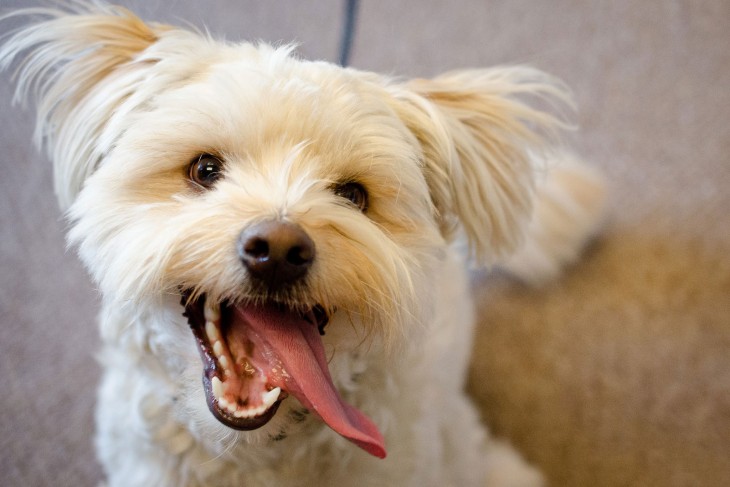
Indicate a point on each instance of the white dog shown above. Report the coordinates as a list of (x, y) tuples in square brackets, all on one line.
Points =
[(286, 229)]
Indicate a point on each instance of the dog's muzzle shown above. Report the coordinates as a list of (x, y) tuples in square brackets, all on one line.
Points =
[(261, 348)]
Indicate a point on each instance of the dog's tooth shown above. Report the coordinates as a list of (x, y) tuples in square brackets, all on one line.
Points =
[(250, 413), (212, 313), (269, 398), (223, 361), (218, 349), (244, 413), (217, 386), (211, 330)]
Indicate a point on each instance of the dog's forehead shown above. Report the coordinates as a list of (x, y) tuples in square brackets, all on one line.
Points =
[(267, 106), (278, 73), (271, 98)]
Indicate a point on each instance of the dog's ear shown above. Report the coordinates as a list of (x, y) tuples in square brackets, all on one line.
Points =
[(479, 140), (78, 66)]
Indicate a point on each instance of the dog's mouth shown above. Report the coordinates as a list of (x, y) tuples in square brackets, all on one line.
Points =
[(255, 355)]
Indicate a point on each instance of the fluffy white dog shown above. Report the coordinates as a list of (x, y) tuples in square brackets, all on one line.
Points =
[(286, 230)]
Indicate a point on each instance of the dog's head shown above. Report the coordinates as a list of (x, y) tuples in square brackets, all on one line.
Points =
[(278, 199)]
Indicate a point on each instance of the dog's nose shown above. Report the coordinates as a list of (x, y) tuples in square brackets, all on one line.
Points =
[(276, 252)]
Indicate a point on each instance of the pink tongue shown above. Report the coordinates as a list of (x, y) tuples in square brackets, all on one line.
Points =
[(297, 345)]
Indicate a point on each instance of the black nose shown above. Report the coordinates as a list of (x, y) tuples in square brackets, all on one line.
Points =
[(276, 253)]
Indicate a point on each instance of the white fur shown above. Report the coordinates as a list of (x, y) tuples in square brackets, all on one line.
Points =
[(123, 109)]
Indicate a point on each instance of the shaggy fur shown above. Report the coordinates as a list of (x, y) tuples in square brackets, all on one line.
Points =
[(124, 107)]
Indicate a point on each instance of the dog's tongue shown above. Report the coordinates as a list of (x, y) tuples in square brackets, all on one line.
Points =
[(296, 344)]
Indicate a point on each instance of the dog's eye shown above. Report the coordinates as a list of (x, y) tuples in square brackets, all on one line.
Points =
[(205, 170), (355, 192)]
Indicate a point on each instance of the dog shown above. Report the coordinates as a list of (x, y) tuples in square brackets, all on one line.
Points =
[(297, 234)]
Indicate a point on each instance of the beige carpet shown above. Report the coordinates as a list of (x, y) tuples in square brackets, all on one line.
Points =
[(618, 375)]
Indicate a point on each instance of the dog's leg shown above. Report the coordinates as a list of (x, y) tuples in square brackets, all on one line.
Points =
[(468, 455), (568, 211), (472, 457)]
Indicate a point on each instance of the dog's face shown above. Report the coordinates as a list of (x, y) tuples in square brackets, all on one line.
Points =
[(273, 195), (276, 200)]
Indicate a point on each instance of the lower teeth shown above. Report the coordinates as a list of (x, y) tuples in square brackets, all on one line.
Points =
[(268, 399)]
